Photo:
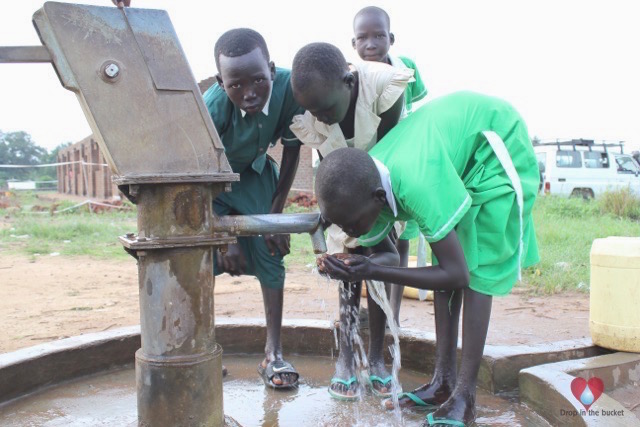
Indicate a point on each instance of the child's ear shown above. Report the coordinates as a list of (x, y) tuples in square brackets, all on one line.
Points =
[(392, 39), (353, 42), (219, 80), (272, 69), (349, 79), (380, 195)]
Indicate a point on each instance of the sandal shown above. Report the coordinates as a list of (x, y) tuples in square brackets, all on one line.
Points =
[(348, 384), (418, 403), (386, 382), (278, 367), (442, 421)]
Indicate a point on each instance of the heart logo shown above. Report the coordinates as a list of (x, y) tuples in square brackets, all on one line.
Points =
[(587, 392)]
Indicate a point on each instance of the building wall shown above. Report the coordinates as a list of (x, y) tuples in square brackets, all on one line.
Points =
[(304, 175), (87, 176)]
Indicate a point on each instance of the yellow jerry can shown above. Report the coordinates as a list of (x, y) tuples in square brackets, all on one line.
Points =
[(614, 315)]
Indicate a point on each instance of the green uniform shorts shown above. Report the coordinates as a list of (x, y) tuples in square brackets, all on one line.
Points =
[(252, 195)]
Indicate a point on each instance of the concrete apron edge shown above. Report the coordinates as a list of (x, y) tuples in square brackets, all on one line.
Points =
[(547, 390), (72, 357)]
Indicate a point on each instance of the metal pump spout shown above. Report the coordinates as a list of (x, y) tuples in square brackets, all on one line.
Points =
[(252, 225)]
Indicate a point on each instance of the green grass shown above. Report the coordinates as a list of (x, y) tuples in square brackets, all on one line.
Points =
[(71, 233), (565, 229), (94, 235), (301, 251)]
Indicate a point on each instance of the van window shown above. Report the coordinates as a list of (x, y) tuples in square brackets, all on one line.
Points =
[(596, 159), (626, 165), (542, 161), (568, 159)]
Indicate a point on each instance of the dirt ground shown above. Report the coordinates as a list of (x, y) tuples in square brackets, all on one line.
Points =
[(58, 297)]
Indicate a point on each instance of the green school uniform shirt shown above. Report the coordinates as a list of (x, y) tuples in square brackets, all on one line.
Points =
[(416, 90), (247, 138), (445, 176)]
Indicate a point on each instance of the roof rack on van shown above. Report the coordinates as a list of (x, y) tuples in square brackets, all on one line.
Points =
[(589, 143)]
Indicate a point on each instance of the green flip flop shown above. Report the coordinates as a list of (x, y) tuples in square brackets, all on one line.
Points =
[(348, 385), (383, 381), (443, 421), (421, 404)]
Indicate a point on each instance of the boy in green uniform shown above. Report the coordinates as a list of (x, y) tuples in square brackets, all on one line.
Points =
[(252, 106), (463, 168), (372, 40)]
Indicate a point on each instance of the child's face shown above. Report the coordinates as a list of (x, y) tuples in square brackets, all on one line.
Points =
[(372, 37), (326, 102), (247, 80), (355, 218)]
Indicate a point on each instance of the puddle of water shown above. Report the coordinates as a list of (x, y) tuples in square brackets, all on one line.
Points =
[(109, 399)]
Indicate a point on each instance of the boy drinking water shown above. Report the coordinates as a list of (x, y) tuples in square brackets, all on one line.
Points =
[(252, 106), (372, 40), (463, 168), (348, 105)]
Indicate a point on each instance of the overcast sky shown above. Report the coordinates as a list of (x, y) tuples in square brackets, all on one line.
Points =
[(571, 67)]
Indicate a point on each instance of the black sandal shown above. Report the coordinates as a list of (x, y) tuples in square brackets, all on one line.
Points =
[(278, 367)]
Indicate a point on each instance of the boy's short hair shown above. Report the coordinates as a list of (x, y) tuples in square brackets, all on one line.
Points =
[(317, 61), (331, 183), (374, 10), (238, 42)]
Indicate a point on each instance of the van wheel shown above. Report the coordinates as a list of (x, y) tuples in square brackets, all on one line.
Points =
[(585, 193)]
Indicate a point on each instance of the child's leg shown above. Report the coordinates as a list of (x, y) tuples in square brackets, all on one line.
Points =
[(377, 326), (269, 269), (396, 291), (447, 314), (475, 323), (349, 307), (273, 300)]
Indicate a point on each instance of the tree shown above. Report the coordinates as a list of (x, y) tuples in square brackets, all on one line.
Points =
[(53, 156), (17, 148)]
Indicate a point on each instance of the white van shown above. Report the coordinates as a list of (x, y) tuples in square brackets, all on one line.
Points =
[(585, 168)]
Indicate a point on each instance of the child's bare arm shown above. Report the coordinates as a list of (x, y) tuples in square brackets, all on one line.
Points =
[(290, 160), (384, 253), (390, 118), (451, 273)]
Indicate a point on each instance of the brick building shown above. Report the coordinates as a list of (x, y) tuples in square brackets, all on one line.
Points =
[(87, 174)]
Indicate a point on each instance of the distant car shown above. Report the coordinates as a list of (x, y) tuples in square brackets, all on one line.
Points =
[(585, 168)]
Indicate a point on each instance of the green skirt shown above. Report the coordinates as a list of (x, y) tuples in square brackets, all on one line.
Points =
[(490, 230)]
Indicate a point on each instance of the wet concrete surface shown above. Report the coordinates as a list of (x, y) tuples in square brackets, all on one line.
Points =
[(548, 389), (628, 396), (109, 399)]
